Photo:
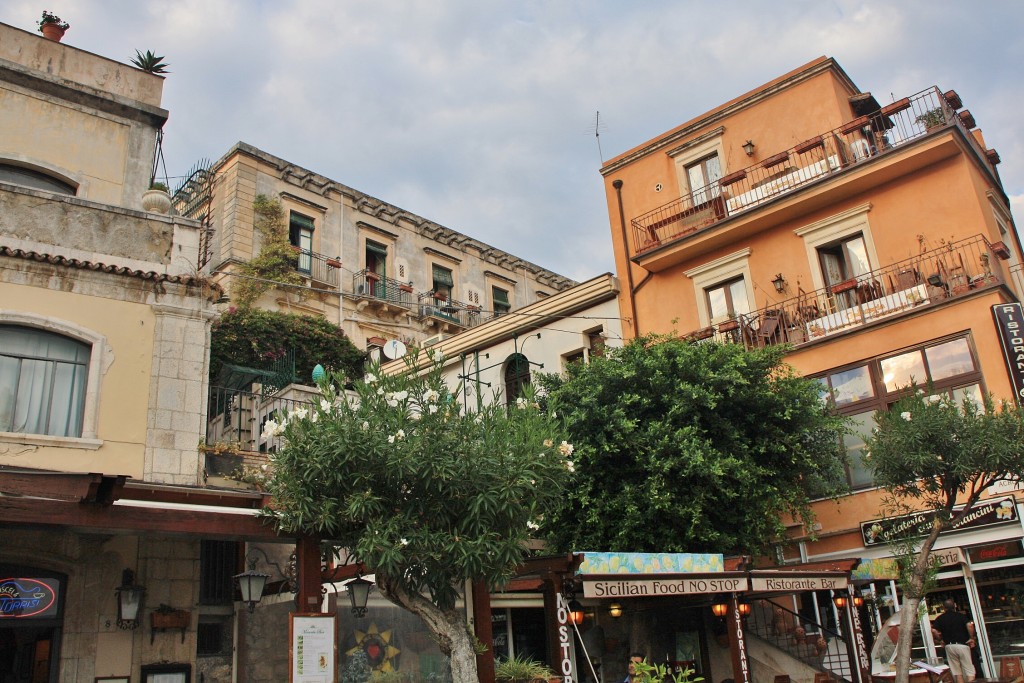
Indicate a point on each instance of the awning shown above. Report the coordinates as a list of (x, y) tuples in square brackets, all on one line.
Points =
[(443, 276), (378, 249)]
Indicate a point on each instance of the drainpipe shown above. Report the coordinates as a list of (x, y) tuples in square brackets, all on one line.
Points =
[(617, 184)]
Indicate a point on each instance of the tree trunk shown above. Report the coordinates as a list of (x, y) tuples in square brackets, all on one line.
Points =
[(912, 594), (448, 627)]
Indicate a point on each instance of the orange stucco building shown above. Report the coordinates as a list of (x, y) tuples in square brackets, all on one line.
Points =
[(876, 238)]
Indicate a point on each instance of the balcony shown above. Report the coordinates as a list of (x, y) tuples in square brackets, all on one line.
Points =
[(323, 271), (823, 156), (382, 294), (953, 271), (448, 315)]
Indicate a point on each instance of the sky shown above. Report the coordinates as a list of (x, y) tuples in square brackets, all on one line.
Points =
[(482, 115)]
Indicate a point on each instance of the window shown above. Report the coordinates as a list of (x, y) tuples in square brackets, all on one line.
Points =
[(517, 376), (300, 234), (500, 303), (43, 380), (376, 265), (29, 177), (218, 562), (443, 282), (703, 178), (860, 390), (596, 340), (841, 261), (213, 636), (727, 300)]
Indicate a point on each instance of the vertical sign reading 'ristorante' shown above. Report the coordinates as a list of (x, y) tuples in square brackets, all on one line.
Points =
[(1010, 325)]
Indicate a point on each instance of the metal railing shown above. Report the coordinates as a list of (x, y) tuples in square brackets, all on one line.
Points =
[(449, 310), (821, 156), (953, 270), (817, 646), (236, 418), (317, 267), (375, 286)]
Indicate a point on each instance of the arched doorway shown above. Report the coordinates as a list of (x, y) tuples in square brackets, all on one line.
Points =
[(517, 376)]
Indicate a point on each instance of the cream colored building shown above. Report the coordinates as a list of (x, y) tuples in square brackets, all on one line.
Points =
[(104, 340), (375, 269)]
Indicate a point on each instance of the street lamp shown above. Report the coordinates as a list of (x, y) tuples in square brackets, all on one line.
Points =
[(251, 584), (615, 610), (575, 612), (358, 593), (719, 609), (840, 601), (129, 601)]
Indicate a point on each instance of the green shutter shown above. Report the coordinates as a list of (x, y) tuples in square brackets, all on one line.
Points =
[(443, 276), (500, 297), (378, 249), (300, 221)]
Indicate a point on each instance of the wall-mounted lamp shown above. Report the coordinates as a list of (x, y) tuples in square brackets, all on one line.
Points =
[(575, 612), (744, 608), (748, 147), (719, 609), (251, 584), (779, 283), (358, 594), (840, 601), (858, 601), (129, 601), (615, 610)]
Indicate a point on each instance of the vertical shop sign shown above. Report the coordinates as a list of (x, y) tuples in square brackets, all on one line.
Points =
[(1010, 326), (565, 643), (740, 665)]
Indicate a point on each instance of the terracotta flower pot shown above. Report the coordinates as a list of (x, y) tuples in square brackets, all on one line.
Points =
[(53, 32)]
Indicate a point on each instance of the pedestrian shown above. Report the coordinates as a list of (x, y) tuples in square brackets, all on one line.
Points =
[(956, 631), (632, 675)]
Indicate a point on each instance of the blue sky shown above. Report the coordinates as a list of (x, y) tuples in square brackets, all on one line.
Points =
[(479, 114)]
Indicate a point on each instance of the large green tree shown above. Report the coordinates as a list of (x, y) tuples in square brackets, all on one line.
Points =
[(690, 447), (934, 454), (426, 495)]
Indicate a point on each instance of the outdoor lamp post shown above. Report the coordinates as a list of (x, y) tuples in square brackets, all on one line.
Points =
[(251, 584), (129, 601), (358, 593)]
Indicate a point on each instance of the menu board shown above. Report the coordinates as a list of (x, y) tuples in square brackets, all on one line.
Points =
[(313, 655)]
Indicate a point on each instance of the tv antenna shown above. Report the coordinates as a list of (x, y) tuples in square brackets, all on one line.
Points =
[(596, 130)]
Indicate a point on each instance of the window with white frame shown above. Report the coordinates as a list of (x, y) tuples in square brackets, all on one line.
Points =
[(699, 166), (722, 287), (839, 247), (727, 300), (703, 176), (43, 379), (300, 234)]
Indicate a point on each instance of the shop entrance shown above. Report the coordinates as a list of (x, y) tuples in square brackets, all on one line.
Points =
[(31, 609), (28, 654)]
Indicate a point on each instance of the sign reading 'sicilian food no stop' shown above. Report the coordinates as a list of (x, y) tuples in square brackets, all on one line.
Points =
[(620, 588)]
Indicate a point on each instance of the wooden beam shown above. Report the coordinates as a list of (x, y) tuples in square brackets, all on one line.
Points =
[(484, 633), (125, 519), (73, 487), (307, 553)]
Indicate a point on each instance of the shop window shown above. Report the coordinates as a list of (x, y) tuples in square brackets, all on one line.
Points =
[(300, 234), (30, 177), (517, 376), (703, 175), (218, 564), (43, 379), (500, 302)]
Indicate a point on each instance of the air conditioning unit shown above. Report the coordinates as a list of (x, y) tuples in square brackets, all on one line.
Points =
[(434, 339)]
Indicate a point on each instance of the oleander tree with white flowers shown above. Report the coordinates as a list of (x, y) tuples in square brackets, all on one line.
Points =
[(930, 452), (423, 493)]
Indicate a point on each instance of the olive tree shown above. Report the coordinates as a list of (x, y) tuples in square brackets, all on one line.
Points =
[(685, 447), (934, 454), (425, 494)]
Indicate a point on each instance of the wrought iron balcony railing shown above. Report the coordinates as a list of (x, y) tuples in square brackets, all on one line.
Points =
[(440, 307), (953, 270), (375, 286), (822, 156), (317, 267)]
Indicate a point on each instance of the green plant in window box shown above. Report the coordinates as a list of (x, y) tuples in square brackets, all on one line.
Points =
[(933, 118)]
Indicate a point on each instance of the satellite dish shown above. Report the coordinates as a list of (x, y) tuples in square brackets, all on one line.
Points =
[(394, 349)]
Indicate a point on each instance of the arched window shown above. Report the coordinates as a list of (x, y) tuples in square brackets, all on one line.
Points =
[(517, 376), (30, 177), (42, 382)]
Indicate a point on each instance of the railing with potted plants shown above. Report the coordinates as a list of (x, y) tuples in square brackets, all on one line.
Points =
[(819, 647), (819, 157), (953, 270), (439, 305), (374, 285), (317, 267)]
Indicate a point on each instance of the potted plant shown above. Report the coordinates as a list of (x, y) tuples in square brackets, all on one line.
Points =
[(518, 669), (150, 63), (933, 118), (156, 199), (52, 27), (166, 616), (660, 673)]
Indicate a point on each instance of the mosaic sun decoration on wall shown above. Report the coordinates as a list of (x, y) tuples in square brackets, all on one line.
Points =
[(377, 647)]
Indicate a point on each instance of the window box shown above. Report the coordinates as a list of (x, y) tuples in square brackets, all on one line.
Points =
[(732, 178), (896, 107), (844, 286), (703, 333), (440, 296), (405, 288), (807, 145), (855, 125), (729, 325), (952, 99), (334, 263), (992, 156), (1001, 250), (775, 160), (967, 118)]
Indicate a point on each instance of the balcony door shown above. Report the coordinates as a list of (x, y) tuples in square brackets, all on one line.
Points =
[(703, 177), (300, 234), (727, 300), (841, 262), (376, 264)]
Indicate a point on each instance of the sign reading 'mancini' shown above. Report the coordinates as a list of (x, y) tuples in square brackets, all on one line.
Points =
[(662, 586), (797, 583)]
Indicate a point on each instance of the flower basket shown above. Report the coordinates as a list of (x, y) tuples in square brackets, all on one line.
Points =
[(175, 618), (333, 263), (729, 325), (844, 286), (52, 31), (405, 288), (702, 333)]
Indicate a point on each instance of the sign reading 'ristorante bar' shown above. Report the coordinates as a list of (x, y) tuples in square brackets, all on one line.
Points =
[(985, 513), (1010, 326), (797, 583)]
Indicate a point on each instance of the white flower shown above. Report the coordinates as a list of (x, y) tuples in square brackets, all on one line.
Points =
[(325, 405), (430, 396), (432, 409), (570, 466), (414, 415), (521, 403), (298, 413), (392, 403), (263, 467), (365, 426), (401, 395), (269, 428), (479, 418), (532, 526), (314, 416), (380, 391), (548, 443), (404, 541), (400, 434), (554, 415), (905, 415), (565, 449), (370, 378), (391, 439)]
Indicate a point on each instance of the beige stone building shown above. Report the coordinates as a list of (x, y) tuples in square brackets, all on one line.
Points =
[(375, 269), (104, 338)]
